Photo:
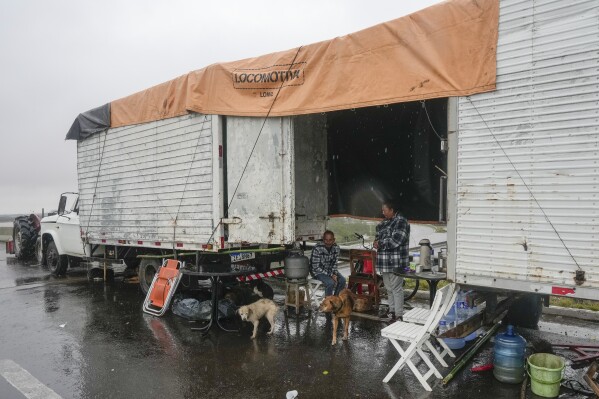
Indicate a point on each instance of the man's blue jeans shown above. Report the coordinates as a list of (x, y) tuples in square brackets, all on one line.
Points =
[(329, 283)]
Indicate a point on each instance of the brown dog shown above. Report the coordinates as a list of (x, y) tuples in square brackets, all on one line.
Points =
[(341, 307)]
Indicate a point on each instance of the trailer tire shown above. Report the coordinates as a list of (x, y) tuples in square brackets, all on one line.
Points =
[(57, 263), (525, 311), (146, 271), (24, 237)]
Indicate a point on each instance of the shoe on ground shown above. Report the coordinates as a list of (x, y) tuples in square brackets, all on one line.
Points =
[(390, 316), (393, 319)]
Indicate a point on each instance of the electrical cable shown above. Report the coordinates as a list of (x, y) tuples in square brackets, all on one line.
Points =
[(569, 384), (91, 211), (262, 128), (186, 181), (131, 159), (423, 102), (256, 141), (524, 182)]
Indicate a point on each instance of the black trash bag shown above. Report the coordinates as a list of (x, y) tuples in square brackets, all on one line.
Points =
[(226, 309), (192, 309)]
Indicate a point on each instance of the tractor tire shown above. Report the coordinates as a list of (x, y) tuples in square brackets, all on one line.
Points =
[(146, 271), (57, 263), (24, 237)]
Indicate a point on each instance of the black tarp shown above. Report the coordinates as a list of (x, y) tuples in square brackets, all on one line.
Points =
[(87, 123)]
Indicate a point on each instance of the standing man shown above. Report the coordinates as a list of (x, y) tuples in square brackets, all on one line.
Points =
[(391, 241), (323, 264)]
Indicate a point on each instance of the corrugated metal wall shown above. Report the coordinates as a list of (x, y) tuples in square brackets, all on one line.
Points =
[(134, 182), (543, 121)]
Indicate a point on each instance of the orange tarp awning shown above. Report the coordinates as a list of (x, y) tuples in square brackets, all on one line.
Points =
[(445, 50)]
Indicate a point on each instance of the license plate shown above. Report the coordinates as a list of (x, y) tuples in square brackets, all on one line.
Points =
[(241, 256)]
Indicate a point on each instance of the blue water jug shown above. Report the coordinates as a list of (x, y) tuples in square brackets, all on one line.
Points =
[(508, 359)]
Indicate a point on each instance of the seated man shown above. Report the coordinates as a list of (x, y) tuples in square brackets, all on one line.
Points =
[(323, 264)]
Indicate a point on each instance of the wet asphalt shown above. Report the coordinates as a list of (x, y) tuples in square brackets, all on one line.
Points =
[(85, 339)]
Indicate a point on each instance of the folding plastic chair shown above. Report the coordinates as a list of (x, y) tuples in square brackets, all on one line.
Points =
[(163, 288), (417, 336), (315, 285), (420, 315)]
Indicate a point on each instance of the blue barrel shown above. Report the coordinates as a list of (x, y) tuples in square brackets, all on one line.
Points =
[(508, 359)]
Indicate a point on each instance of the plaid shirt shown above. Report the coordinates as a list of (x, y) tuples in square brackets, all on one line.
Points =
[(324, 261), (393, 236)]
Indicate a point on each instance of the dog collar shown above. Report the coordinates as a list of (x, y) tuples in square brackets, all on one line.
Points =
[(339, 308)]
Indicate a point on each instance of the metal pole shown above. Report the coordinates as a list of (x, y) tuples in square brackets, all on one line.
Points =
[(442, 196)]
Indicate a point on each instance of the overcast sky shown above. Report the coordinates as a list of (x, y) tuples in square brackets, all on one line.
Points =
[(59, 58)]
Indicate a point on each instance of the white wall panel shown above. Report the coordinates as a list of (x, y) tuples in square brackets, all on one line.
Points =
[(533, 144), (151, 182)]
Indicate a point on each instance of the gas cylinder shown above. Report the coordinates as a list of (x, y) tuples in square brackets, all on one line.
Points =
[(297, 267)]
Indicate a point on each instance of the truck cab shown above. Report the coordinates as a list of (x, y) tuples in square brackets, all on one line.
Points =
[(60, 243)]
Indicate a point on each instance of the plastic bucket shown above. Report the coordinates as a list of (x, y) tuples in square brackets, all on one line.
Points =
[(545, 371)]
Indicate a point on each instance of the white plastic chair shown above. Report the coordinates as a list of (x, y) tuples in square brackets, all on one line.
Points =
[(417, 336), (420, 315), (315, 294)]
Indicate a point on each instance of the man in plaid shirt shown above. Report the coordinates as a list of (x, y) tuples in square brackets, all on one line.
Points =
[(392, 241), (323, 264)]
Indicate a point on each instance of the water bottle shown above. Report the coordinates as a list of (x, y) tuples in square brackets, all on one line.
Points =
[(443, 326), (508, 357), (465, 310), (461, 308), (451, 317), (473, 310)]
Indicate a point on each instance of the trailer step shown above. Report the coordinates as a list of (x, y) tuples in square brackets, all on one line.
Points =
[(163, 288)]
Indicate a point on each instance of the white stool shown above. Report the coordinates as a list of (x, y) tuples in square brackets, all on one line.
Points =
[(294, 286)]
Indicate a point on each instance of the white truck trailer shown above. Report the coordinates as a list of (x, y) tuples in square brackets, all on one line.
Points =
[(510, 166)]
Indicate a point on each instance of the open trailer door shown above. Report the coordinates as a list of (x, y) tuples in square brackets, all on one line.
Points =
[(260, 189)]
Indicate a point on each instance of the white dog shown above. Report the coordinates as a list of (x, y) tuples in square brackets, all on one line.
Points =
[(255, 311)]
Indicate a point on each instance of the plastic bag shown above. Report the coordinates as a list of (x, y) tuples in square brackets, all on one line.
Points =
[(192, 309), (226, 309)]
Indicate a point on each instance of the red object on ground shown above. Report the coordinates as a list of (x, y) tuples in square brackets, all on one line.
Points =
[(586, 352), (484, 367)]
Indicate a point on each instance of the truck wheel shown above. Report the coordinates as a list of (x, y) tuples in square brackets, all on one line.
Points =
[(24, 237), (525, 311), (147, 270), (57, 263)]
